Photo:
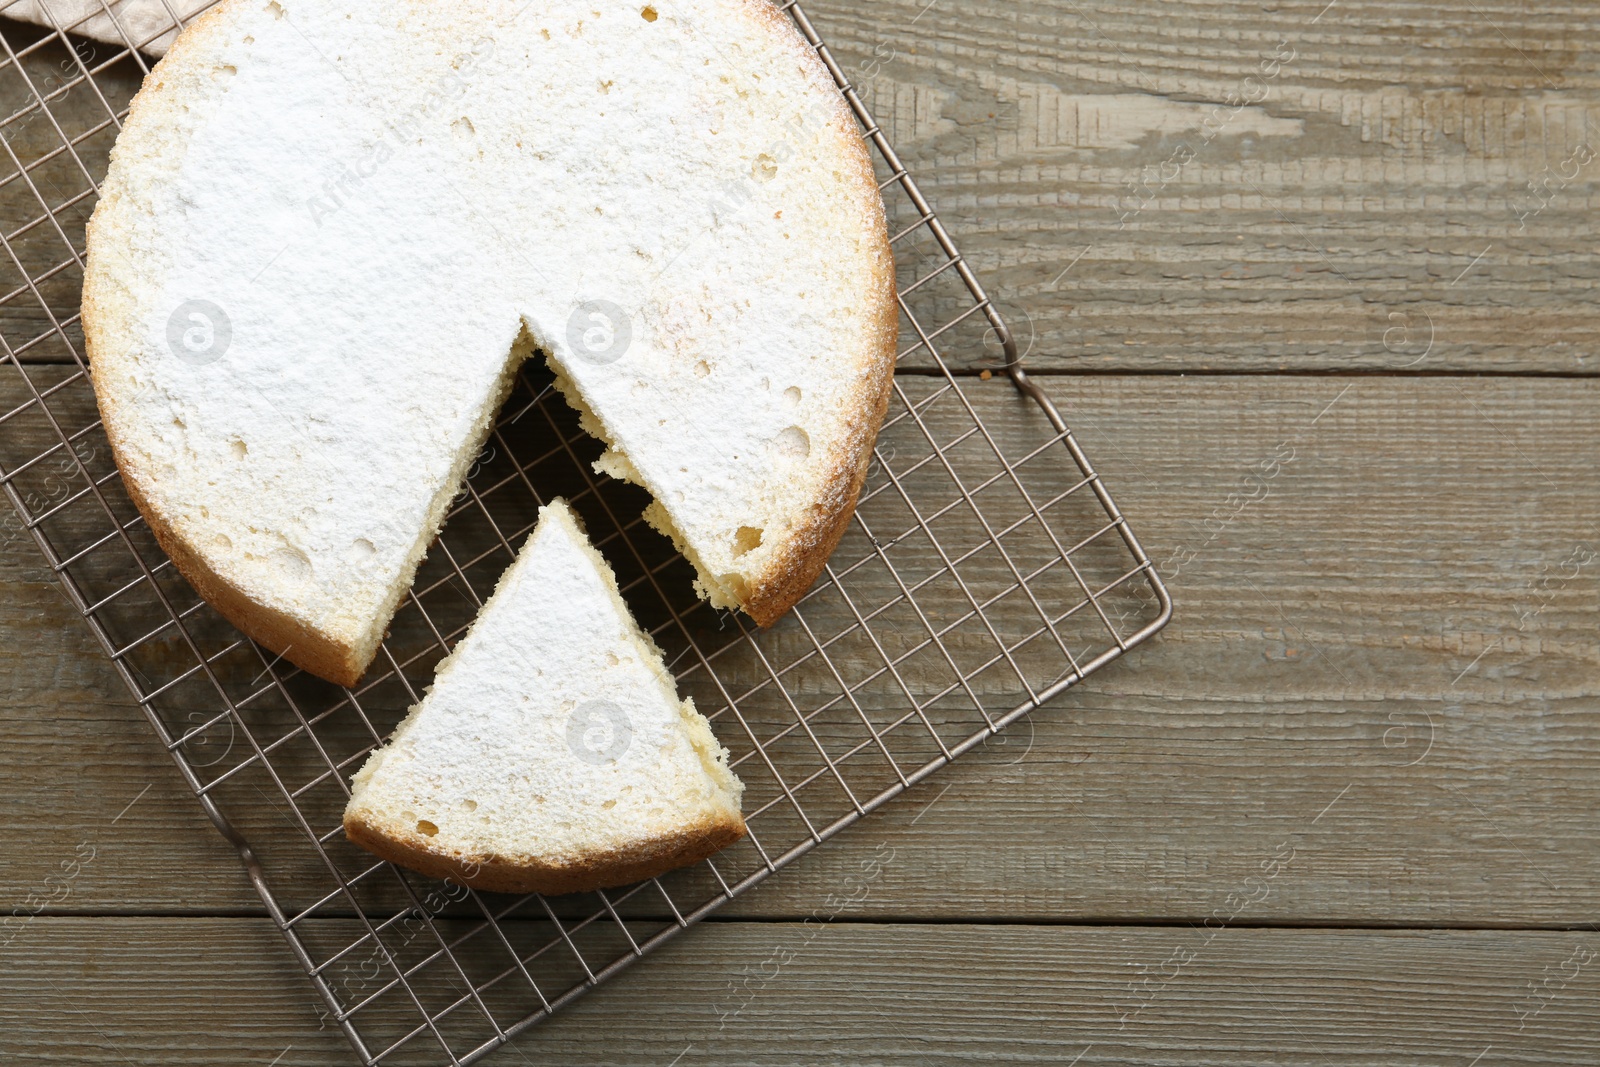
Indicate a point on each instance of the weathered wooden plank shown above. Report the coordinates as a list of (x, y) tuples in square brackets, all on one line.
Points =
[(1246, 188), (1383, 658), (80, 990), (1150, 188)]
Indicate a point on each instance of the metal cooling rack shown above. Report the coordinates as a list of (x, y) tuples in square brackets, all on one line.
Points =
[(987, 570)]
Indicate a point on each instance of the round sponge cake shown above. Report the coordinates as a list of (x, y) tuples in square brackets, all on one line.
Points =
[(331, 230)]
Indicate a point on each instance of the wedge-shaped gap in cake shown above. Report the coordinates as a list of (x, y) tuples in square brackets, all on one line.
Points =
[(793, 647), (655, 579), (704, 647), (656, 583), (539, 433), (424, 629), (478, 545), (498, 480), (470, 553)]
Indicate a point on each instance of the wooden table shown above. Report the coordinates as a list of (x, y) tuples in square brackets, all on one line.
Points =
[(1232, 231)]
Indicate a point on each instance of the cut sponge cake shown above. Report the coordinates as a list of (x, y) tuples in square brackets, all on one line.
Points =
[(552, 754), (331, 228)]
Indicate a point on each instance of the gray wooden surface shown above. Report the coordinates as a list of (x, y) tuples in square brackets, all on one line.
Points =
[(1385, 668)]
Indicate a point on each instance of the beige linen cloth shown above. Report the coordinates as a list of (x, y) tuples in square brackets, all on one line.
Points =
[(148, 25)]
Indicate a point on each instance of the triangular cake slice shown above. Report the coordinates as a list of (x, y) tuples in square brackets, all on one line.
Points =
[(552, 753)]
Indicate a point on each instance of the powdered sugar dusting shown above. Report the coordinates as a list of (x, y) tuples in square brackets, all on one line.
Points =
[(674, 210)]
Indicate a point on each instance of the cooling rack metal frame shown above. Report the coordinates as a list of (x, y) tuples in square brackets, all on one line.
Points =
[(981, 577)]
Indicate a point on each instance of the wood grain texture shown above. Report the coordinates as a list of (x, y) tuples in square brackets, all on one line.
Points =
[(781, 993), (1241, 187), (1394, 628)]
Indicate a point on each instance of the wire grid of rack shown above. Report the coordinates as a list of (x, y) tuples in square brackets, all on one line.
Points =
[(987, 570)]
